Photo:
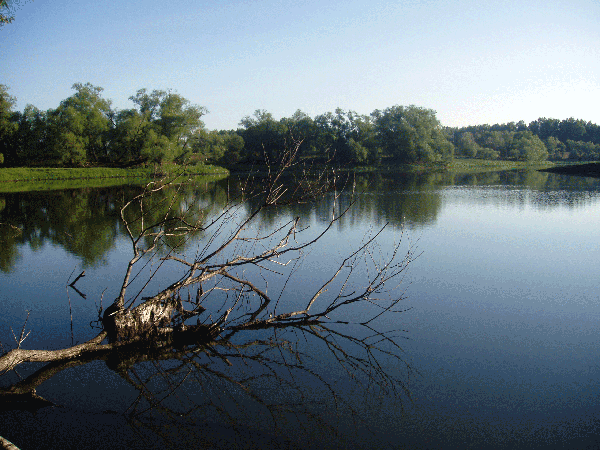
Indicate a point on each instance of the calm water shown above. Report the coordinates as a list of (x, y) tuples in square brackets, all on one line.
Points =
[(501, 331)]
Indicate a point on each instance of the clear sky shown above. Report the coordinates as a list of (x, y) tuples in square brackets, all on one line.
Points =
[(471, 61)]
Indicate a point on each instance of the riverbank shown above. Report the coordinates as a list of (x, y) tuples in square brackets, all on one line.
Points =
[(486, 165), (20, 179), (458, 166)]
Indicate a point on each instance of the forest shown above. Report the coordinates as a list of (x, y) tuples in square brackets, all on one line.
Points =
[(162, 126)]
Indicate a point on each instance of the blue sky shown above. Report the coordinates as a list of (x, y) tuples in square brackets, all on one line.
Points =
[(471, 61)]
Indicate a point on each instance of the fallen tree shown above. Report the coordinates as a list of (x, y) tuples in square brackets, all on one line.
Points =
[(181, 322)]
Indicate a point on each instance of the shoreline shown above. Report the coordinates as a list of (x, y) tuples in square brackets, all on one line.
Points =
[(20, 179), (10, 174)]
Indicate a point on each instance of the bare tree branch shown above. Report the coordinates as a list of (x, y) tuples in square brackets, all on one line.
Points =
[(229, 276)]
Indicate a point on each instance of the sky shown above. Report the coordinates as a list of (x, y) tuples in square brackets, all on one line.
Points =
[(473, 61)]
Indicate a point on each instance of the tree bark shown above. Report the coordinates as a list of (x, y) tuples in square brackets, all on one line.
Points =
[(17, 356), (7, 445)]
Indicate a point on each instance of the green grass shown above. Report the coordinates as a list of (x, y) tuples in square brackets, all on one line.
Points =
[(43, 173), (455, 166), (487, 165), (458, 166), (20, 179)]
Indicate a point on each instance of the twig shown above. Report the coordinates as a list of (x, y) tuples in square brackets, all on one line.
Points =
[(81, 275)]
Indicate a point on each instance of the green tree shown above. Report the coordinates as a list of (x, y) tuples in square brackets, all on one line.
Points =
[(487, 153), (164, 124), (556, 149), (347, 136), (572, 129), (29, 142), (337, 135), (234, 146), (330, 139), (365, 135), (178, 118), (264, 137), (128, 135), (467, 146), (592, 132), (358, 152), (207, 146), (79, 127), (527, 146), (581, 150), (302, 127), (156, 148), (498, 141), (7, 123), (260, 116), (412, 134), (545, 128)]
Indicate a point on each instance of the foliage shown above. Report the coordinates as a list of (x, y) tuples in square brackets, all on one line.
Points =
[(412, 134), (347, 137), (77, 129), (7, 121), (528, 147), (581, 150), (467, 146), (163, 124), (509, 141), (85, 130), (164, 127), (265, 139), (556, 149), (31, 138), (5, 14), (219, 146)]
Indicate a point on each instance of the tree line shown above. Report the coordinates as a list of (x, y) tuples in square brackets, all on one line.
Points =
[(162, 126), (544, 138)]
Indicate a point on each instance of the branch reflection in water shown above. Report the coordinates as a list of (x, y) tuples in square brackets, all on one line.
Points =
[(220, 341)]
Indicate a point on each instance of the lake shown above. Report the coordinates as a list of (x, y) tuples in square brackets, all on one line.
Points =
[(499, 337)]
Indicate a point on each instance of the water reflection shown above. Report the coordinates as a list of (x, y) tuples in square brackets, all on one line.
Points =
[(258, 390), (233, 349), (503, 327), (85, 222)]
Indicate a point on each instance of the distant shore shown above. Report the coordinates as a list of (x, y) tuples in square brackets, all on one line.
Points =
[(20, 178)]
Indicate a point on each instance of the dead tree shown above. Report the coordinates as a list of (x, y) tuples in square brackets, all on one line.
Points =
[(182, 323)]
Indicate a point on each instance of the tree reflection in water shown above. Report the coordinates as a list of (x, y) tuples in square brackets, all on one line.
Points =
[(220, 341)]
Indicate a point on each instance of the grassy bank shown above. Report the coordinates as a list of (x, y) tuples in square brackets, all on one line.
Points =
[(459, 166), (486, 165), (20, 179), (45, 173)]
